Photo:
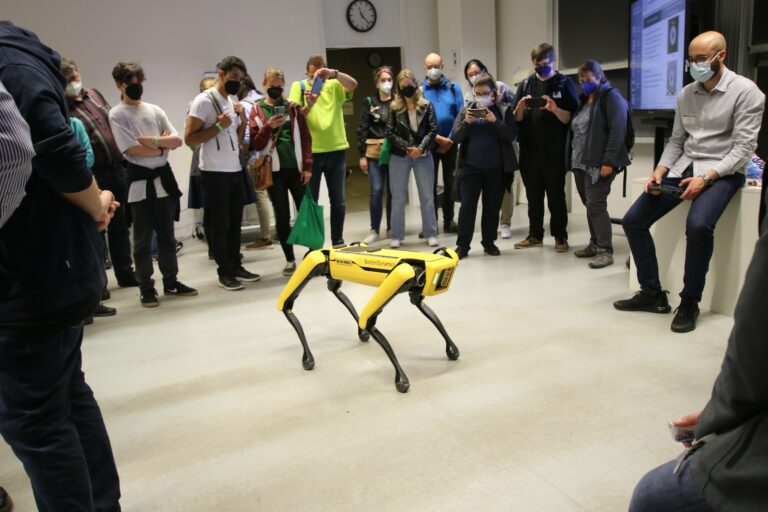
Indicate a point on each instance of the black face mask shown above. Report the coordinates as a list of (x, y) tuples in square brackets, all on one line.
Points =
[(134, 91), (232, 86), (275, 92), (408, 91)]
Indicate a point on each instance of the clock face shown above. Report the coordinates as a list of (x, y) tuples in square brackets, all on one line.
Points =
[(361, 15), (375, 59)]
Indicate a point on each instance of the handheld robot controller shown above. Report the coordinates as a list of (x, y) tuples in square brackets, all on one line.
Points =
[(392, 272)]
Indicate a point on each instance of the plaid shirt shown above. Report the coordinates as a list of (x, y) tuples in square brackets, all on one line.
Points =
[(93, 111)]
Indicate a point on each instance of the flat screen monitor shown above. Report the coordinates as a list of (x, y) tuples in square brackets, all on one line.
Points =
[(657, 53)]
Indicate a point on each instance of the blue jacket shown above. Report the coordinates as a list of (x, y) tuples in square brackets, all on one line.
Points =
[(51, 266), (448, 101)]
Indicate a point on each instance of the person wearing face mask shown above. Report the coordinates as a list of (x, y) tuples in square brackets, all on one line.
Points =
[(89, 106), (447, 99), (473, 69), (411, 130), (325, 119), (371, 132), (248, 96), (596, 152), (543, 131), (486, 158), (145, 136), (217, 123), (288, 140), (717, 120)]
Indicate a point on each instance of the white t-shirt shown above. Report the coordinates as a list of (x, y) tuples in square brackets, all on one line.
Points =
[(220, 153), (128, 122)]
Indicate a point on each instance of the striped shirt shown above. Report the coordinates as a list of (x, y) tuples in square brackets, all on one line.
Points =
[(16, 153), (93, 110)]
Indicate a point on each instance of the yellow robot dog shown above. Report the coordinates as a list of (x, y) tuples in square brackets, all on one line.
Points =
[(392, 271)]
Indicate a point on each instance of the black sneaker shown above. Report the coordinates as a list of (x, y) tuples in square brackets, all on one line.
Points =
[(88, 320), (102, 310), (685, 316), (105, 295), (148, 298), (491, 250), (127, 281), (230, 283), (641, 301), (245, 276), (179, 289), (462, 252)]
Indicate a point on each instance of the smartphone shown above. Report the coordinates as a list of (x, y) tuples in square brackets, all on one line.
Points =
[(536, 102), (479, 113), (280, 110), (682, 434), (317, 85)]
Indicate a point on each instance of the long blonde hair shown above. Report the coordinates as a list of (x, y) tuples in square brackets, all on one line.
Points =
[(399, 103)]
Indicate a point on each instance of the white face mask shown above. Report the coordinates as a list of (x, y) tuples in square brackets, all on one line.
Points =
[(473, 79), (484, 100), (385, 86), (73, 89), (434, 73)]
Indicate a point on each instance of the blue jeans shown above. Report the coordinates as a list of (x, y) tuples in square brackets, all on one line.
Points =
[(378, 175), (424, 172), (51, 421), (661, 490), (333, 165), (699, 230)]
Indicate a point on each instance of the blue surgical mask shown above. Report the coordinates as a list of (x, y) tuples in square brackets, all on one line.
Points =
[(543, 70), (702, 72), (589, 87)]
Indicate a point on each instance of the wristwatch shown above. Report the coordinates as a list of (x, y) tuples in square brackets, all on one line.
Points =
[(336, 73), (707, 180)]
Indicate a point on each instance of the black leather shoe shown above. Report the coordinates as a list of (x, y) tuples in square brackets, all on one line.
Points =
[(641, 301), (462, 252), (685, 316), (491, 250), (6, 505), (102, 310), (105, 295)]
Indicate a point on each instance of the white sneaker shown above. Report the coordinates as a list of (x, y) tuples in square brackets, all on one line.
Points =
[(373, 236), (394, 244), (505, 231), (432, 241)]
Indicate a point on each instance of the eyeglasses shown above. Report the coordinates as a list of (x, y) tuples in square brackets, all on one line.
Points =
[(701, 59)]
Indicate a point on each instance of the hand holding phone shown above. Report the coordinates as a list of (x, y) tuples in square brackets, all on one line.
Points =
[(478, 113), (532, 103), (682, 434), (317, 84)]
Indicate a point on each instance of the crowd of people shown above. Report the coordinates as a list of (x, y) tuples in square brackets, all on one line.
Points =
[(100, 169)]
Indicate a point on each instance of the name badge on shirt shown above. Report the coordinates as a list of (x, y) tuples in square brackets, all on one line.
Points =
[(689, 121), (557, 95)]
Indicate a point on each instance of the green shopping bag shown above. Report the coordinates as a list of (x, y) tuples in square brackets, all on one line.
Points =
[(309, 229), (386, 152)]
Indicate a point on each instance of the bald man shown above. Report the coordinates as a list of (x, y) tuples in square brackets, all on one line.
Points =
[(717, 120), (447, 98)]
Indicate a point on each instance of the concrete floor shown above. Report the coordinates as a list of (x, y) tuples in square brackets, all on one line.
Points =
[(558, 402)]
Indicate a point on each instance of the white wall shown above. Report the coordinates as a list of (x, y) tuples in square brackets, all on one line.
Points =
[(338, 33), (520, 25), (467, 30)]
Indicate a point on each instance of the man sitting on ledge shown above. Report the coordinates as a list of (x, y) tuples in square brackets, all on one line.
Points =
[(717, 119)]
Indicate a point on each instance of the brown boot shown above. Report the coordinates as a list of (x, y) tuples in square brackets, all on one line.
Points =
[(528, 242), (561, 244)]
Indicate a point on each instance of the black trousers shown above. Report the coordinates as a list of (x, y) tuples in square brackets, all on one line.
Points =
[(448, 159), (50, 418), (472, 184), (117, 233), (224, 201), (148, 216), (542, 177), (285, 182)]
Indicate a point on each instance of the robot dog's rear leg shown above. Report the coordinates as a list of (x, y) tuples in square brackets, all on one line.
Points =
[(307, 361), (451, 350), (334, 286), (401, 379)]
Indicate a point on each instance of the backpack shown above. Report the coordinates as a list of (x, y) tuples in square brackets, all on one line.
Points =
[(629, 136)]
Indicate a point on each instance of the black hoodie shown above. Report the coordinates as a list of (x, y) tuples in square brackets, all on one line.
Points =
[(51, 271)]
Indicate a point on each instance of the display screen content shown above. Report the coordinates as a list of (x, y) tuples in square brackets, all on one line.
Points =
[(656, 53)]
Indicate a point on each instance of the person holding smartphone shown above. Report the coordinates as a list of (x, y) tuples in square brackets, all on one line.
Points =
[(278, 126), (411, 130), (371, 133), (321, 97), (485, 131), (546, 101)]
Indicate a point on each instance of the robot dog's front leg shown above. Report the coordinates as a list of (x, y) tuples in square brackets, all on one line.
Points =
[(314, 264), (334, 286), (417, 299), (400, 279)]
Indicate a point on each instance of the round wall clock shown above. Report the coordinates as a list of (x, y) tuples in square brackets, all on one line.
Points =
[(361, 15)]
